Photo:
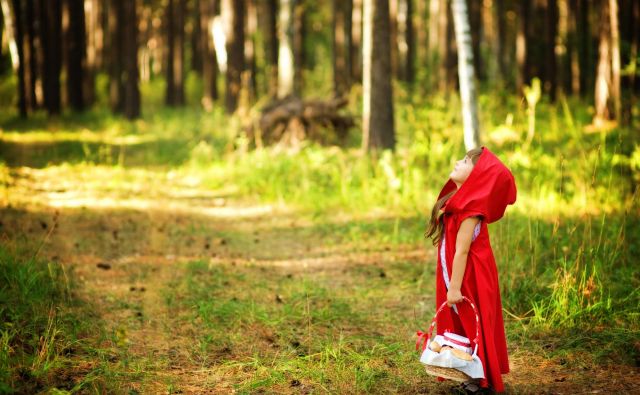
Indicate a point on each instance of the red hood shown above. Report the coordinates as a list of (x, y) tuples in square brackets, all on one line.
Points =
[(488, 191)]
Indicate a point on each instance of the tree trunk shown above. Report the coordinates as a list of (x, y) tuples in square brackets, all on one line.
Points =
[(271, 45), (409, 41), (615, 59), (75, 47), (10, 27), (356, 40), (130, 59), (92, 26), (420, 21), (603, 76), (285, 51), (586, 65), (196, 37), (572, 46), (550, 58), (3, 60), (501, 42), (299, 58), (522, 40), (340, 48), (443, 45), (634, 81), (30, 55), (19, 58), (377, 123), (234, 10), (116, 52), (393, 32), (175, 53), (474, 12), (250, 49), (466, 75), (53, 54), (209, 59)]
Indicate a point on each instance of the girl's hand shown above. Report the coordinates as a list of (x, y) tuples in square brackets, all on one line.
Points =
[(453, 296)]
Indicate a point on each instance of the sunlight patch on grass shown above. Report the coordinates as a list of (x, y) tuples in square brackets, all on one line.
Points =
[(113, 137)]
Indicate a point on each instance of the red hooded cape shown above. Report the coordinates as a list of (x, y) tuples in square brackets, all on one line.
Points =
[(486, 193)]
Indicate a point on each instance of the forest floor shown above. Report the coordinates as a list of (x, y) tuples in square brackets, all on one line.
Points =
[(200, 291)]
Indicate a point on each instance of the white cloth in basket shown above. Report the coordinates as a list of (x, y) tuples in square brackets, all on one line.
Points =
[(445, 359)]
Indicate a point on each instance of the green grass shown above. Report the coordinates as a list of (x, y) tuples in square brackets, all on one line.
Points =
[(567, 251), (42, 328)]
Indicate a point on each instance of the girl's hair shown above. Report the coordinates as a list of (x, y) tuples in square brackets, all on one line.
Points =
[(436, 226)]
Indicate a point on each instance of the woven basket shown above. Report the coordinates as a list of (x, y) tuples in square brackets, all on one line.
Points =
[(439, 371), (446, 373)]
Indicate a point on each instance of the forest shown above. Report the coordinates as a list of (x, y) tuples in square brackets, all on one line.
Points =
[(232, 196)]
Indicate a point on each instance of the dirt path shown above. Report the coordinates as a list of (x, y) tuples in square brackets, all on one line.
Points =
[(128, 246)]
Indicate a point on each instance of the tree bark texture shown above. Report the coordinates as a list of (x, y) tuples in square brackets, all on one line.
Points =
[(378, 120)]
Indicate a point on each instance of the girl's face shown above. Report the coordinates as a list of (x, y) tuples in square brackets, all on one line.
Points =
[(461, 171)]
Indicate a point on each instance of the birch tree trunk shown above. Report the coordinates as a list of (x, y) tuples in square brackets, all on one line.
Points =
[(285, 52), (466, 75), (603, 74), (377, 113)]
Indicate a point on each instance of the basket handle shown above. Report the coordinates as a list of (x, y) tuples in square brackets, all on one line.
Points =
[(424, 338)]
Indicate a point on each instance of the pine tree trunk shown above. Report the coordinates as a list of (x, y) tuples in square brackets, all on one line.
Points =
[(75, 47), (30, 55), (377, 123), (522, 43), (3, 61), (270, 33), (586, 65), (340, 48), (92, 24), (393, 32), (466, 75), (634, 81), (500, 42), (615, 60), (572, 47), (550, 58), (53, 54), (116, 41), (356, 41), (196, 37), (19, 36), (475, 24), (175, 53), (130, 58), (209, 59), (9, 18), (235, 52), (443, 45), (299, 57), (410, 54), (250, 49)]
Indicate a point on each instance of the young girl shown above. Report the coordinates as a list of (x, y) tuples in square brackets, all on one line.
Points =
[(478, 192)]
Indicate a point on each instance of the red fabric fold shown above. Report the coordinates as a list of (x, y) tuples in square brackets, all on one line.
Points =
[(486, 193)]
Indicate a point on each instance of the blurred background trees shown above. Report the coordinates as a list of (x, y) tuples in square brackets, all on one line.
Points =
[(57, 50)]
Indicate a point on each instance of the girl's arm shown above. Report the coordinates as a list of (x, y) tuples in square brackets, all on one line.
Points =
[(463, 242)]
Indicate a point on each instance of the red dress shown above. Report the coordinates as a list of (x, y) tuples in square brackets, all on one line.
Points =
[(486, 193)]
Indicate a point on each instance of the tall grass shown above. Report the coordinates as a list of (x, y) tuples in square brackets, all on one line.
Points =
[(40, 328)]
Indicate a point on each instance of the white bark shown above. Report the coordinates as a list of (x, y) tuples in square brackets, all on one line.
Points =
[(468, 93), (285, 52), (11, 33)]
